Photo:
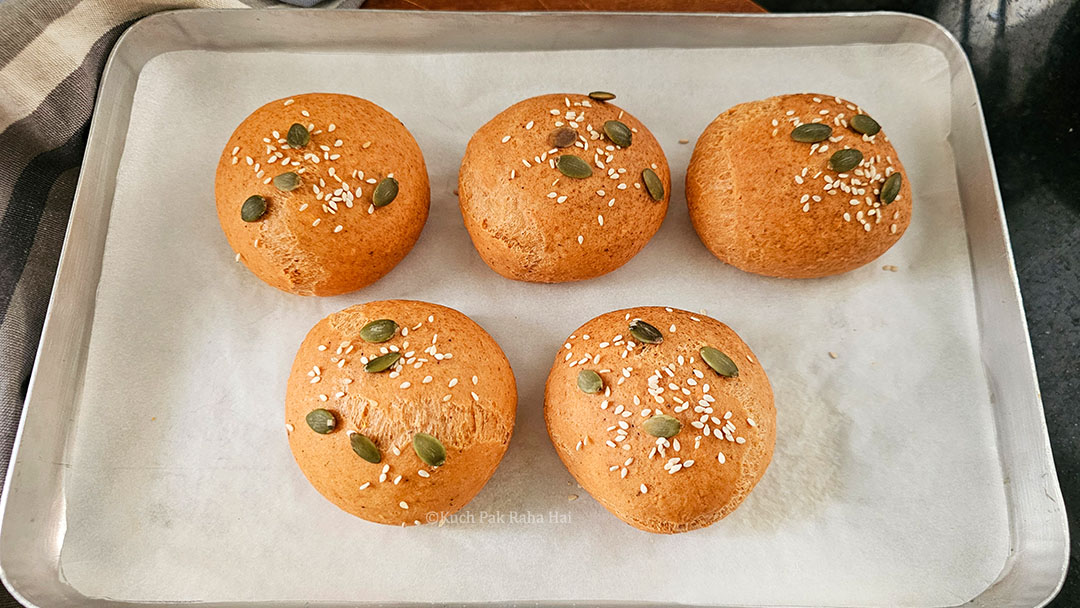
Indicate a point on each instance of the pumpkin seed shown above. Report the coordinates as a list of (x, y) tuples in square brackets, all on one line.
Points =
[(618, 133), (573, 166), (589, 381), (385, 192), (429, 449), (562, 138), (719, 362), (662, 425), (862, 123), (378, 331), (811, 132), (891, 188), (643, 332), (253, 208), (382, 363), (653, 185), (287, 182), (321, 421), (364, 448), (845, 160), (601, 96), (298, 136)]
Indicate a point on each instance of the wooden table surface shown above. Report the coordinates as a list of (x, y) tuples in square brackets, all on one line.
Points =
[(709, 6)]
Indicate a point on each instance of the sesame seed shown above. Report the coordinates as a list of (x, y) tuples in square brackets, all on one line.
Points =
[(406, 384), (580, 239), (423, 473), (529, 125), (720, 457), (505, 138), (403, 505), (475, 397)]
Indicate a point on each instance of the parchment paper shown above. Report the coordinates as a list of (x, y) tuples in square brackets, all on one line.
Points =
[(885, 488)]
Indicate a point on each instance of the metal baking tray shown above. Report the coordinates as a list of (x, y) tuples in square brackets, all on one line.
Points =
[(37, 515)]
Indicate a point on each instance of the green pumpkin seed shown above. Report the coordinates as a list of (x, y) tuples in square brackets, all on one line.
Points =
[(382, 363), (573, 166), (811, 132), (287, 182), (653, 185), (378, 331), (719, 362), (891, 188), (662, 425), (601, 96), (861, 123), (589, 381), (364, 448), (562, 138), (321, 421), (643, 332), (429, 449), (385, 192), (845, 160), (618, 133), (253, 208), (298, 136)]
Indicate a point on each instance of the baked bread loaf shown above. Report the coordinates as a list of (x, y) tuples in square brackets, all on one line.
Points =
[(797, 186), (399, 411), (665, 417), (321, 194), (562, 188)]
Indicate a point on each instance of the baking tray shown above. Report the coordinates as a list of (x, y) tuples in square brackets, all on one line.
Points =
[(38, 513)]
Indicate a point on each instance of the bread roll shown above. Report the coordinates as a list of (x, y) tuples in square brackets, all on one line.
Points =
[(452, 384), (768, 204), (531, 219), (666, 440), (317, 228)]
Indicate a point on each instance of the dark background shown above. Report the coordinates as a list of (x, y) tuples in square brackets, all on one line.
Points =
[(1026, 57)]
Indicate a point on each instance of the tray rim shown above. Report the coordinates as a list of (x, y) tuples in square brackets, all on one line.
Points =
[(102, 129)]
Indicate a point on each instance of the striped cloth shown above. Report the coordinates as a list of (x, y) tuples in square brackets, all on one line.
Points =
[(51, 56)]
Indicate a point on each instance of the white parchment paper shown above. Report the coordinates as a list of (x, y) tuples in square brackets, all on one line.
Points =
[(885, 488)]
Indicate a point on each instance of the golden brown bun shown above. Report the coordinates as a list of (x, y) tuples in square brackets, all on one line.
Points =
[(474, 424), (580, 424), (283, 247), (523, 234), (750, 211)]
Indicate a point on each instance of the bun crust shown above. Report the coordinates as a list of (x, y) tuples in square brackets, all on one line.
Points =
[(770, 205), (472, 419), (601, 437), (323, 238), (528, 226)]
